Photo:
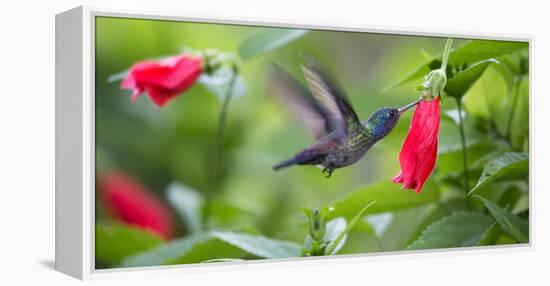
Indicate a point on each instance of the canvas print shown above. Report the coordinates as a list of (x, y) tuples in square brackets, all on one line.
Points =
[(219, 143)]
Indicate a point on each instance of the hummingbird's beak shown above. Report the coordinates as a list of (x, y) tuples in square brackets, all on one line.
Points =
[(407, 107)]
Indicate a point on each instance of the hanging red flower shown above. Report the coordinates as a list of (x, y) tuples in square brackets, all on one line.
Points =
[(163, 80), (419, 152), (131, 203)]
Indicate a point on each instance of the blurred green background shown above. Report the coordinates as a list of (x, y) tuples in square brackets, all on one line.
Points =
[(159, 146)]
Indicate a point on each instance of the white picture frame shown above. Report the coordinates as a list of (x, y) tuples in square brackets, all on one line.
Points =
[(75, 143)]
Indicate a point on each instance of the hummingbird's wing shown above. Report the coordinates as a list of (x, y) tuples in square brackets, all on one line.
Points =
[(336, 106), (299, 99)]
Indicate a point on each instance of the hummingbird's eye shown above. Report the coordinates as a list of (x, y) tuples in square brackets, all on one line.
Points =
[(392, 113)]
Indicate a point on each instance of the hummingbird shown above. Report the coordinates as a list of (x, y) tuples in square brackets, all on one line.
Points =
[(341, 138)]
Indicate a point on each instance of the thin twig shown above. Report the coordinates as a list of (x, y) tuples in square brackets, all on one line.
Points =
[(463, 143), (214, 177)]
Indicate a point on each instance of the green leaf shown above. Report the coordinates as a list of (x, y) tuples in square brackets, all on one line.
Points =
[(461, 81), (449, 138), (117, 76), (339, 241), (223, 260), (515, 226), (470, 52), (406, 226), (478, 50), (199, 247), (377, 224), (334, 228), (519, 129), (488, 99), (522, 204), (424, 218), (258, 245), (188, 203), (266, 40), (504, 239), (490, 236), (179, 248), (512, 164), (218, 82), (427, 56), (114, 242), (456, 230), (388, 197), (210, 248)]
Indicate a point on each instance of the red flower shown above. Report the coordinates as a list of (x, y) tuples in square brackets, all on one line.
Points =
[(419, 151), (128, 201), (163, 80)]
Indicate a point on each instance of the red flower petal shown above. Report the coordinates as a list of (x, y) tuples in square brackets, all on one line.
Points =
[(419, 152), (163, 80), (160, 96), (131, 203)]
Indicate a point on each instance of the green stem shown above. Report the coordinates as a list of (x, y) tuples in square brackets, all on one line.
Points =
[(379, 243), (446, 51), (435, 81), (463, 143), (214, 177), (513, 107)]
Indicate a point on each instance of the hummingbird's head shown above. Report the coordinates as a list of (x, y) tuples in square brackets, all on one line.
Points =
[(384, 119)]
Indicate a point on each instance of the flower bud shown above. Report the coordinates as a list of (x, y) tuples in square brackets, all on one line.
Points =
[(434, 83), (317, 225), (163, 80), (317, 222), (130, 202)]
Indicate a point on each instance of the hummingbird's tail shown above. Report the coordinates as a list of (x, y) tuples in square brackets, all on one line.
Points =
[(307, 157), (285, 164)]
